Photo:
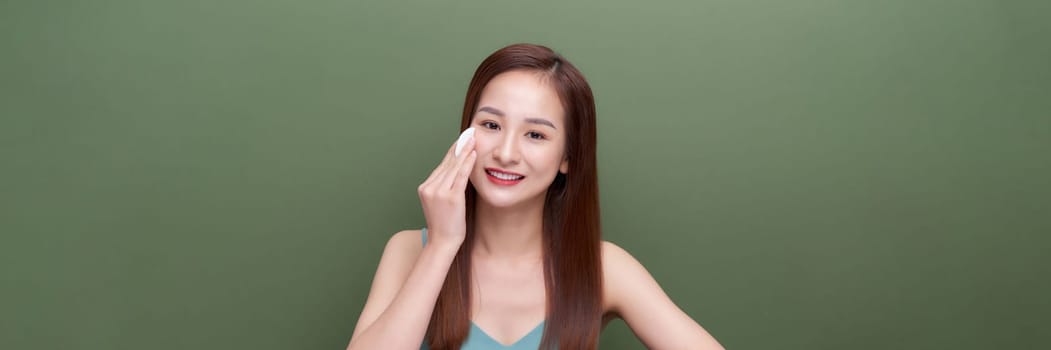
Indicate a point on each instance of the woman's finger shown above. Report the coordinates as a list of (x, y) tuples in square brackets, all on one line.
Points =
[(460, 184), (440, 169), (451, 174), (462, 141)]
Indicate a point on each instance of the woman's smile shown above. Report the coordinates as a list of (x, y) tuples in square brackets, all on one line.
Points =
[(502, 177)]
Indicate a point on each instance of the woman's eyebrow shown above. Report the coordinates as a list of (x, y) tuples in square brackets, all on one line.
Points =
[(500, 113)]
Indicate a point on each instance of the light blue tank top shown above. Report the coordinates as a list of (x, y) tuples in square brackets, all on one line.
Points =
[(478, 340)]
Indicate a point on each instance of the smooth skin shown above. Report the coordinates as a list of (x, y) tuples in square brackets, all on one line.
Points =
[(508, 295)]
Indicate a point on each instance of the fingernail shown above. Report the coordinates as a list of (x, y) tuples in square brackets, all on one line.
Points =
[(467, 134)]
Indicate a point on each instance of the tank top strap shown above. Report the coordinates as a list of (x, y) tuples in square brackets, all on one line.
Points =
[(424, 236)]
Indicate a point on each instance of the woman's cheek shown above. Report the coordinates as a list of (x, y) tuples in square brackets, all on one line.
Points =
[(481, 143)]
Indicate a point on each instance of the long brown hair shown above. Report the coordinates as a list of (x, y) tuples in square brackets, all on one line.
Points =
[(571, 226)]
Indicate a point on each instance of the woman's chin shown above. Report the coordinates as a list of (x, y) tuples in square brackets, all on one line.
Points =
[(501, 199)]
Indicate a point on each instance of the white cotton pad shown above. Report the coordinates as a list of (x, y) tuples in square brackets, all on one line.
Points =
[(469, 133)]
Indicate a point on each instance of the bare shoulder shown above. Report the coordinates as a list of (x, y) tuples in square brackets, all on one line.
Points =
[(615, 259), (619, 269), (409, 242), (611, 252), (631, 293), (399, 255), (402, 250)]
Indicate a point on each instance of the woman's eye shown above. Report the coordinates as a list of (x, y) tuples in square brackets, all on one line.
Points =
[(532, 134)]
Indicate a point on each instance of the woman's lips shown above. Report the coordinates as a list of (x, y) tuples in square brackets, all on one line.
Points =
[(504, 178)]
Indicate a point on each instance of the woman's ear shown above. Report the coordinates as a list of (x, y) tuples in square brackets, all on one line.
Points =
[(564, 168)]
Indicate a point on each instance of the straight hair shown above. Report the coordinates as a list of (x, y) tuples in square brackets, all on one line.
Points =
[(571, 224)]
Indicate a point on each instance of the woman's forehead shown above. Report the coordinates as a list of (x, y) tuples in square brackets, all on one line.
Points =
[(521, 95)]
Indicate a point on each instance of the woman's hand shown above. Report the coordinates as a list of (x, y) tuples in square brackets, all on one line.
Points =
[(407, 281), (443, 194)]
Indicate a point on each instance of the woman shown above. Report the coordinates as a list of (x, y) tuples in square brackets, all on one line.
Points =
[(512, 255)]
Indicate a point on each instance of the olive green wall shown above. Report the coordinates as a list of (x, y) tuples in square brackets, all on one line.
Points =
[(796, 174)]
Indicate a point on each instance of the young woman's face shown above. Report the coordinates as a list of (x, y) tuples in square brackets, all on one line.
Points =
[(519, 129)]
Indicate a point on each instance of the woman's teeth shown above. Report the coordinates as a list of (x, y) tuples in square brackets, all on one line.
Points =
[(503, 176)]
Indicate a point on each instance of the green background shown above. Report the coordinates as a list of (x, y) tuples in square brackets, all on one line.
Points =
[(796, 174)]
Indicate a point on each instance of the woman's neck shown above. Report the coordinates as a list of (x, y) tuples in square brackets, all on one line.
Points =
[(512, 234)]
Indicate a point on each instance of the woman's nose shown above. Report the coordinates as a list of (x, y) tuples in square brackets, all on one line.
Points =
[(506, 151)]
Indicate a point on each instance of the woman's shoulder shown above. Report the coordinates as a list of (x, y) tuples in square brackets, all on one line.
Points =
[(613, 253), (620, 272), (620, 265), (406, 241), (404, 246)]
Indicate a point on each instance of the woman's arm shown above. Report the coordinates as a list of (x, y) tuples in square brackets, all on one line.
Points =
[(403, 293), (636, 297), (410, 276)]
